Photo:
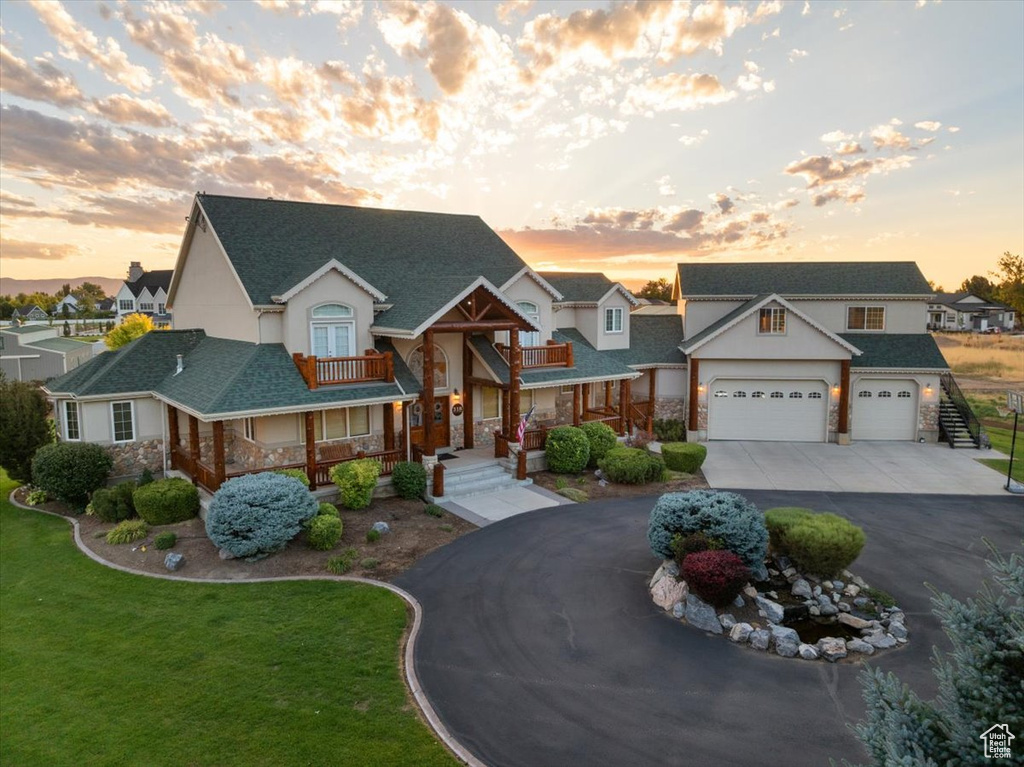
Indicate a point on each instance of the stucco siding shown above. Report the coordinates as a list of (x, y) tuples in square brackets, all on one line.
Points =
[(565, 317), (697, 315), (606, 340), (900, 316), (527, 289), (800, 341), (331, 288)]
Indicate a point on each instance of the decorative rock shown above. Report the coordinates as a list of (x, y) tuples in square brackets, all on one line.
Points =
[(859, 645), (760, 639), (772, 572), (861, 602), (832, 648), (816, 591), (802, 589), (901, 641), (826, 585), (381, 527), (836, 597), (671, 567), (750, 591), (667, 592), (851, 590), (772, 595), (701, 615), (838, 585), (784, 563), (658, 575), (225, 554), (897, 616), (853, 621), (807, 651), (173, 561), (789, 571), (727, 621), (828, 609), (786, 641), (843, 607), (897, 629), (678, 610), (814, 610), (759, 572), (773, 610), (881, 641), (738, 601), (740, 632)]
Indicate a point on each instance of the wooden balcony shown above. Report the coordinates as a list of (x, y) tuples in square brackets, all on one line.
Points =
[(552, 355), (333, 371)]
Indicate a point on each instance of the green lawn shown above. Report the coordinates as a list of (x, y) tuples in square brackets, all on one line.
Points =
[(1001, 439), (101, 667)]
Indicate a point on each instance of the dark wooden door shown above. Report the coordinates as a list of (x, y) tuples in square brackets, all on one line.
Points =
[(441, 423)]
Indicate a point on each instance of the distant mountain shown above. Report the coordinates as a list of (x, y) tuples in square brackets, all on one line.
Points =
[(12, 287)]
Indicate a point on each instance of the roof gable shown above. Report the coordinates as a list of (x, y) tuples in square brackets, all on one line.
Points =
[(586, 287), (332, 265), (151, 282), (845, 278)]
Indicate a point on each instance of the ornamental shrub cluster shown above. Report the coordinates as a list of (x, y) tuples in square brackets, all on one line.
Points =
[(70, 471), (165, 540), (824, 544), (24, 427), (127, 531), (632, 466), (409, 479), (684, 456), (779, 521), (729, 517), (356, 481), (715, 576), (601, 437), (684, 545), (167, 501), (298, 474), (567, 450), (257, 514), (669, 430), (113, 504), (324, 532)]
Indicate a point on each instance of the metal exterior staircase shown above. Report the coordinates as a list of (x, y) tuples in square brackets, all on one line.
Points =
[(957, 423)]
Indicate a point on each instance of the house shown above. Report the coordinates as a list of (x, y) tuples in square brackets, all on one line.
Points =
[(145, 293), (37, 352), (966, 311), (68, 305), (106, 305), (809, 352), (30, 313)]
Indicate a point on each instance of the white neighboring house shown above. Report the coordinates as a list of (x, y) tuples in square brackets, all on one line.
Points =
[(145, 293), (966, 311), (68, 301), (37, 352), (30, 314)]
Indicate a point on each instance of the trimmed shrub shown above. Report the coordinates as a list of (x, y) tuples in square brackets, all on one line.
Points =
[(729, 517), (631, 466), (324, 532), (434, 510), (167, 501), (601, 437), (669, 430), (146, 477), (372, 536), (684, 545), (342, 563), (567, 450), (24, 427), (356, 481), (128, 531), (684, 456), (69, 471), (112, 504), (715, 576), (257, 514), (328, 510), (409, 479), (299, 474), (779, 520), (165, 540), (824, 544)]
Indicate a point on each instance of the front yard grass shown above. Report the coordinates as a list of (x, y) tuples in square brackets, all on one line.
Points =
[(1001, 439), (102, 667)]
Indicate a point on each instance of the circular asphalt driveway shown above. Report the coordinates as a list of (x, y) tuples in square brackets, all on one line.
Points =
[(540, 646)]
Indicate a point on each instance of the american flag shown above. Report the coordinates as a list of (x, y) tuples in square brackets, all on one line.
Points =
[(521, 431)]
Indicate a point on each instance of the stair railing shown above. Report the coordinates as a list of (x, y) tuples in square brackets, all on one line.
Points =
[(963, 407)]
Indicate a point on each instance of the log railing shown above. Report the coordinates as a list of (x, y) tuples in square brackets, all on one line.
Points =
[(609, 416), (332, 371), (386, 458), (500, 445), (551, 355), (533, 439), (641, 413), (206, 477)]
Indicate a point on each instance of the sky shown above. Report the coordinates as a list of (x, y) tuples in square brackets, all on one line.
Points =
[(617, 137)]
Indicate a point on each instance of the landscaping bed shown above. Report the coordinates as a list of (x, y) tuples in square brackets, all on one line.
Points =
[(590, 484)]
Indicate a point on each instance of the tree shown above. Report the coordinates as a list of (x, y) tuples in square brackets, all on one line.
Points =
[(979, 286), (64, 290), (1011, 287), (134, 326), (656, 289), (23, 426), (936, 288), (979, 681), (67, 329)]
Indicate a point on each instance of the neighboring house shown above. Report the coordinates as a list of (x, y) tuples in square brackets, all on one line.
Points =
[(30, 314), (145, 293), (68, 301), (106, 305), (809, 352), (37, 352), (966, 311)]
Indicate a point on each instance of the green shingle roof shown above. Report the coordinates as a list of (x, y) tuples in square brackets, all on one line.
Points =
[(22, 329), (719, 323), (804, 278), (588, 363), (905, 351), (418, 306), (62, 345), (582, 287), (653, 340), (414, 258)]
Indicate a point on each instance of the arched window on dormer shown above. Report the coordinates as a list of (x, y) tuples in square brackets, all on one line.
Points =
[(415, 363), (332, 331), (531, 310)]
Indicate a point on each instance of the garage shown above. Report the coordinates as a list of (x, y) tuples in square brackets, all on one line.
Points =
[(884, 409), (768, 410)]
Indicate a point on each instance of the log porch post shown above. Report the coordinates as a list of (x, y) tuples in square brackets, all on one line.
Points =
[(694, 380), (577, 404), (406, 436), (607, 396), (310, 448), (467, 393), (586, 401), (389, 426), (625, 403), (172, 434), (193, 444), (504, 413), (844, 397), (428, 392), (652, 387), (218, 452), (514, 367)]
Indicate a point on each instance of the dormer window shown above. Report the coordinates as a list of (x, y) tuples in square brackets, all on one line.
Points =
[(529, 337), (332, 331), (772, 321), (613, 320)]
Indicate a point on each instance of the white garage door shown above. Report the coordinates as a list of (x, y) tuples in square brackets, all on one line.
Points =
[(884, 409), (777, 411)]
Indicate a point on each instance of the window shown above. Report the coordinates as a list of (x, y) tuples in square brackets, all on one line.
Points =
[(341, 423), (529, 337), (125, 305), (415, 363), (566, 389), (146, 306), (796, 395), (757, 395), (865, 318), (161, 308), (249, 429), (739, 394), (885, 394), (331, 333), (864, 394), (71, 431), (814, 395), (772, 321), (777, 395), (903, 395), (721, 393), (490, 402), (124, 423), (613, 320)]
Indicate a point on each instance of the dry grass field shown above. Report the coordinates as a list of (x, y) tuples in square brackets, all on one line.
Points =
[(998, 358)]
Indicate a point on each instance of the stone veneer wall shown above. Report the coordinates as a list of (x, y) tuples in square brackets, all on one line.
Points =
[(245, 455), (132, 458), (928, 422), (670, 408)]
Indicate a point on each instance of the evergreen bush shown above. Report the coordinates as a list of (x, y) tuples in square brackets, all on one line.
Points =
[(567, 450), (112, 504), (631, 466), (69, 471), (167, 501), (824, 544), (684, 545), (324, 532), (128, 531), (601, 437), (372, 536), (24, 427), (729, 517), (715, 576), (409, 479), (356, 481), (779, 520), (327, 510), (299, 474), (257, 514), (684, 456), (669, 430), (165, 540), (146, 477)]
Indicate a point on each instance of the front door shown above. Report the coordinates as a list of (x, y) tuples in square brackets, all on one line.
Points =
[(441, 430)]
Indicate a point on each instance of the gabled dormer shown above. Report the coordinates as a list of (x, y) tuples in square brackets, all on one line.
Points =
[(595, 306)]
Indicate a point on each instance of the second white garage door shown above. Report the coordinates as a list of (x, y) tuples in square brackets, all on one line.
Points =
[(884, 409), (776, 411)]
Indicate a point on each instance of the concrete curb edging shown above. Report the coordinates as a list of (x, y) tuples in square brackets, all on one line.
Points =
[(411, 678)]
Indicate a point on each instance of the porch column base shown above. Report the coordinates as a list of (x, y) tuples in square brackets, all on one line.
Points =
[(842, 439), (429, 461)]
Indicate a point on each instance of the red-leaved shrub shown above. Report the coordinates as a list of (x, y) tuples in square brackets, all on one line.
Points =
[(716, 576)]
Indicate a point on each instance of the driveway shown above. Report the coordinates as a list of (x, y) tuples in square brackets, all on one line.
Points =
[(875, 467), (540, 646)]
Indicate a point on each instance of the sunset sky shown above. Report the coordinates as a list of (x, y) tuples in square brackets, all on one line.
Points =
[(621, 137)]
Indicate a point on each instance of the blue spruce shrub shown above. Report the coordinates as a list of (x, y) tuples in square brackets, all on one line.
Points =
[(729, 517), (257, 514)]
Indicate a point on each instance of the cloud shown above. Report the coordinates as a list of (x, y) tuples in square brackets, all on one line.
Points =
[(849, 147), (834, 137), (928, 125), (819, 170), (665, 188), (796, 54), (42, 82), (509, 8), (693, 140), (43, 251), (676, 92), (752, 80), (685, 221), (886, 136), (848, 195), (125, 109), (724, 203)]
